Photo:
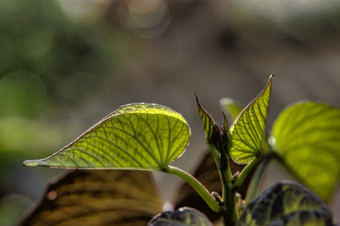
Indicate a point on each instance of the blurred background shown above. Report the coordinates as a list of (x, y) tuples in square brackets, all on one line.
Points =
[(65, 64)]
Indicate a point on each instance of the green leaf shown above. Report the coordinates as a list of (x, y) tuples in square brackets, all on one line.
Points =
[(216, 137), (231, 107), (286, 204), (97, 197), (307, 137), (181, 217), (248, 130), (136, 136)]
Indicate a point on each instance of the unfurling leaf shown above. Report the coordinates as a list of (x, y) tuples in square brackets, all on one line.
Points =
[(136, 136), (181, 217), (286, 204), (97, 197), (216, 137), (248, 130), (307, 137)]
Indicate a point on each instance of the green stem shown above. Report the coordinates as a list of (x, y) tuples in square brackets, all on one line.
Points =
[(229, 215), (214, 153), (244, 173), (195, 184), (255, 182)]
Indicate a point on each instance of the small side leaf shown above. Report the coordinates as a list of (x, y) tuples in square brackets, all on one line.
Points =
[(136, 136), (248, 130), (97, 197), (181, 217), (307, 137), (286, 203), (231, 107)]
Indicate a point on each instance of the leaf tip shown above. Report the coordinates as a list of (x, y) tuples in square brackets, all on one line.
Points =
[(226, 101), (197, 101), (270, 80), (30, 163), (34, 163)]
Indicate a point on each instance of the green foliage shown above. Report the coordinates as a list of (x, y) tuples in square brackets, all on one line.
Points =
[(37, 38), (248, 129), (22, 93), (305, 139), (136, 136), (286, 204), (215, 136)]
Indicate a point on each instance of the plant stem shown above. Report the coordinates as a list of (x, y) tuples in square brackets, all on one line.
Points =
[(230, 215), (255, 182), (244, 173), (195, 184)]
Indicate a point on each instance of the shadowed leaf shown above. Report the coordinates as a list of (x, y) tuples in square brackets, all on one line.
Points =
[(100, 197), (248, 130), (216, 137), (307, 136), (286, 204), (181, 217), (136, 136)]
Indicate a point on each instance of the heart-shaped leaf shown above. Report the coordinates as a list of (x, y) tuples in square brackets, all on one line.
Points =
[(181, 217), (248, 130), (307, 136), (136, 136), (286, 203), (97, 197)]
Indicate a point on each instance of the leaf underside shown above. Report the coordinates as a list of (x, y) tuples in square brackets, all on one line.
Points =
[(286, 203), (97, 197), (182, 217), (136, 136), (248, 130), (307, 136)]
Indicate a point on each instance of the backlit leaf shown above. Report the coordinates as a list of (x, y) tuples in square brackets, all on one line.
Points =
[(97, 197), (286, 204), (136, 136), (248, 130), (181, 217), (307, 136)]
